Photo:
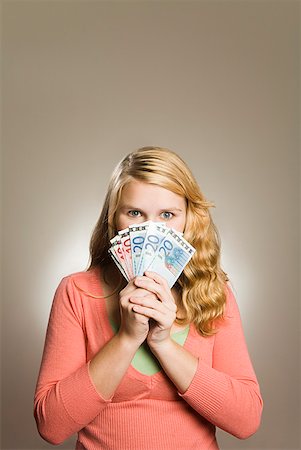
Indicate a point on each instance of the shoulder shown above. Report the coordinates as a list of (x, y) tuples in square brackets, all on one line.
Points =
[(231, 307), (87, 282), (230, 322), (71, 293)]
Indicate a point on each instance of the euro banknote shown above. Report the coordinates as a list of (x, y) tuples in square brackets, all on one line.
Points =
[(137, 237), (126, 250), (172, 255), (154, 235), (117, 254), (150, 246)]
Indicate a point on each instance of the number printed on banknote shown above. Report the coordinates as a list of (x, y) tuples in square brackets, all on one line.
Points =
[(151, 246), (172, 255), (126, 249), (154, 236), (137, 237)]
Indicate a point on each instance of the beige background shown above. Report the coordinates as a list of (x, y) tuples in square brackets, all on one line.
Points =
[(84, 83)]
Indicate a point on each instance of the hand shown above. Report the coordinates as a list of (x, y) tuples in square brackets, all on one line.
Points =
[(159, 306), (133, 325)]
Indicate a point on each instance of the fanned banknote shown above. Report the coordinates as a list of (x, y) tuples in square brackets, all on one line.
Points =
[(126, 250), (137, 237), (172, 255), (117, 254), (151, 246), (154, 235)]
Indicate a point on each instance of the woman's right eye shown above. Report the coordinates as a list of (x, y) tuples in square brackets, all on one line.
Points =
[(134, 213)]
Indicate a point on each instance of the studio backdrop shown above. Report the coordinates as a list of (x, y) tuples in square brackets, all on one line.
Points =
[(84, 83)]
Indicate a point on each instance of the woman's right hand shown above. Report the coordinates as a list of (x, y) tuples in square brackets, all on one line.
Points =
[(133, 326)]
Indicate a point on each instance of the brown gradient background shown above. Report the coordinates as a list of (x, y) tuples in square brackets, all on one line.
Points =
[(84, 83)]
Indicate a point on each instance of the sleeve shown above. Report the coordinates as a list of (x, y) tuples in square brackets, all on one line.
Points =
[(65, 399), (227, 394)]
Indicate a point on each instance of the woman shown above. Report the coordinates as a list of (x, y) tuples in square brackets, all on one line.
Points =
[(137, 365)]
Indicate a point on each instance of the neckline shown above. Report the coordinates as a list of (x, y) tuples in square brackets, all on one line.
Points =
[(109, 334)]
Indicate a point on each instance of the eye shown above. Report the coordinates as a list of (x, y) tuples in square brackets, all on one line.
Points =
[(134, 213), (167, 215)]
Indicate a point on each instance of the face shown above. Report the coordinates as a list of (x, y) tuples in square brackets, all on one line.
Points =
[(142, 201)]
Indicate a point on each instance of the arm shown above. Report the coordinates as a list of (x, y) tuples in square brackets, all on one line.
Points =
[(226, 393), (66, 380)]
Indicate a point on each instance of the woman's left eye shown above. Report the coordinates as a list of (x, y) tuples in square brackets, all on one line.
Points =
[(167, 215), (134, 213)]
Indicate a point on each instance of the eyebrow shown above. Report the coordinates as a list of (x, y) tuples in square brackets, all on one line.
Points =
[(137, 208)]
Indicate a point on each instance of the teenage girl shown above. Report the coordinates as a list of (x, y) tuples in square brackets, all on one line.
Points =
[(137, 365)]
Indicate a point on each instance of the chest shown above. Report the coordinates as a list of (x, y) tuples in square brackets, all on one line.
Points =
[(135, 384)]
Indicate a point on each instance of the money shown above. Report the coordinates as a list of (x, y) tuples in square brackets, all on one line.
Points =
[(137, 236), (154, 235), (126, 250), (151, 246), (114, 257), (172, 255), (118, 256)]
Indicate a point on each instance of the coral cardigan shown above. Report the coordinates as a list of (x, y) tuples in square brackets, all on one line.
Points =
[(146, 412)]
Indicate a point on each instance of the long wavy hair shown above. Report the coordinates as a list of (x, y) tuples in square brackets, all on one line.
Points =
[(202, 283)]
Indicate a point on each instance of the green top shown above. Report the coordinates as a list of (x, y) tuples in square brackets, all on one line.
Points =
[(144, 361)]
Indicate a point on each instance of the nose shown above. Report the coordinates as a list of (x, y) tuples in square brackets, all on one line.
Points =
[(154, 218)]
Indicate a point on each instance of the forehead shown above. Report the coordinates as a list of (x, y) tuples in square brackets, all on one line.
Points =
[(139, 193)]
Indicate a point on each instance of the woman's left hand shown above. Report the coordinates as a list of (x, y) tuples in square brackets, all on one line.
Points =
[(161, 309)]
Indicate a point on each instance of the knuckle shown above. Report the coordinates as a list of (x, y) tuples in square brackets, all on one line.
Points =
[(164, 281), (122, 291), (123, 301), (142, 292)]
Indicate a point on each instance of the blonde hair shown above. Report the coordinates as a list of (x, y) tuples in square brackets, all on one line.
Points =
[(202, 282)]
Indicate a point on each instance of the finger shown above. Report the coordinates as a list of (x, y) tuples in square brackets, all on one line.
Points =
[(153, 303), (130, 287), (147, 283), (150, 313), (141, 318), (162, 319), (162, 282), (162, 290), (157, 278), (138, 292), (149, 301)]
